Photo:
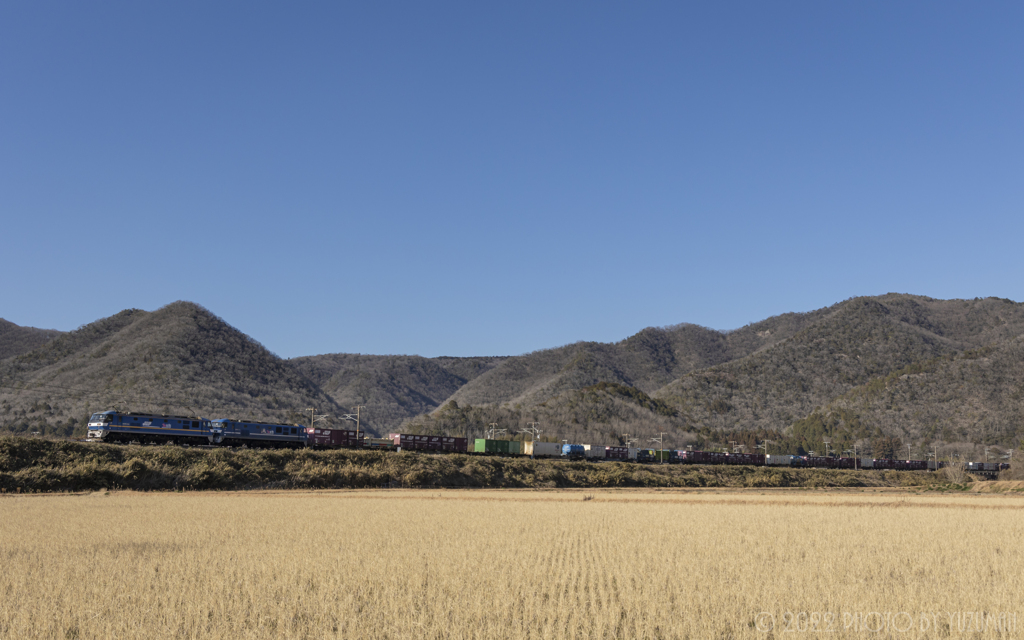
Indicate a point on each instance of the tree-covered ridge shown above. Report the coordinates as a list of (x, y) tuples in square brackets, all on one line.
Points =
[(876, 372), (16, 340), (976, 396), (860, 339), (178, 359), (785, 369), (391, 388)]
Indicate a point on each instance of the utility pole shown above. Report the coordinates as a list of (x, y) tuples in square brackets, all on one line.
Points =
[(661, 445), (533, 429), (354, 418), (827, 442), (314, 418), (764, 445), (908, 451)]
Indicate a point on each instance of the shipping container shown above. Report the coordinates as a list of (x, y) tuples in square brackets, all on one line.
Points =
[(493, 447), (574, 451), (542, 449), (594, 452), (779, 460), (616, 453), (515, 447), (410, 442), (631, 453), (745, 458), (378, 443), (982, 467), (317, 438), (450, 443), (866, 463), (646, 455)]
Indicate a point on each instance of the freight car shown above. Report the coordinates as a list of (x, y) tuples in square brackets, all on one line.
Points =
[(125, 427)]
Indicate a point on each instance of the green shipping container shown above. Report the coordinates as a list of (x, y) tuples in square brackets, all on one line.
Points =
[(515, 447), (492, 446)]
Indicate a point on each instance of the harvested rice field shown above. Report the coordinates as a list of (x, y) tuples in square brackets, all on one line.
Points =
[(512, 564)]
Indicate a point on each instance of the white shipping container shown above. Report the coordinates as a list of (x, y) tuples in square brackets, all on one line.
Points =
[(784, 461), (542, 449), (867, 463), (631, 454), (595, 451)]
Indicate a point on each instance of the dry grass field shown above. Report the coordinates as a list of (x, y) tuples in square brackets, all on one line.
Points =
[(511, 564)]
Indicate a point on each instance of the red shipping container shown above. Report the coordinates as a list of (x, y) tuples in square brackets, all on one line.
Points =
[(331, 438), (410, 442), (616, 453)]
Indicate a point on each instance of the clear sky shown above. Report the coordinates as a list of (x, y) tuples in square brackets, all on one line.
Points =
[(474, 179)]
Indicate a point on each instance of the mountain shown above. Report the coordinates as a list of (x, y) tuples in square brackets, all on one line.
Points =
[(885, 370), (15, 340), (391, 388), (647, 360), (765, 378), (974, 396), (856, 341), (178, 359)]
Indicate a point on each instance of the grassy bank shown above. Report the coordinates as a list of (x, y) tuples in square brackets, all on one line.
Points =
[(41, 465)]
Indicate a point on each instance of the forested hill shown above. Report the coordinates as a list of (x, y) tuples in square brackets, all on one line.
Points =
[(15, 340), (391, 388), (769, 378), (896, 366), (857, 341), (180, 359), (646, 361)]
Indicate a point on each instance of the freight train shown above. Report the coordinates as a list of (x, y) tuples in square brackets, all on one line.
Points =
[(118, 427)]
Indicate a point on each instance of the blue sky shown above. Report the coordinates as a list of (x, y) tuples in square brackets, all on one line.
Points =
[(472, 179)]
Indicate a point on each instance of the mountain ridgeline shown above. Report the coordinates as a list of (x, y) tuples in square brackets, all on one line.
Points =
[(180, 359), (897, 369), (15, 340)]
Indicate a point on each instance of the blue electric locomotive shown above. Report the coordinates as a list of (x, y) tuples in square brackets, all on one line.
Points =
[(240, 433), (147, 428)]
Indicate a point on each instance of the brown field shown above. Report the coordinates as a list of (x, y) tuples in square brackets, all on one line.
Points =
[(512, 564)]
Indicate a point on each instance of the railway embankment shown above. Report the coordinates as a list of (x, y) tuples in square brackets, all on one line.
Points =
[(32, 465)]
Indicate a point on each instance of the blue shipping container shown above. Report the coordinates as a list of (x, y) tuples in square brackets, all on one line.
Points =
[(574, 451)]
